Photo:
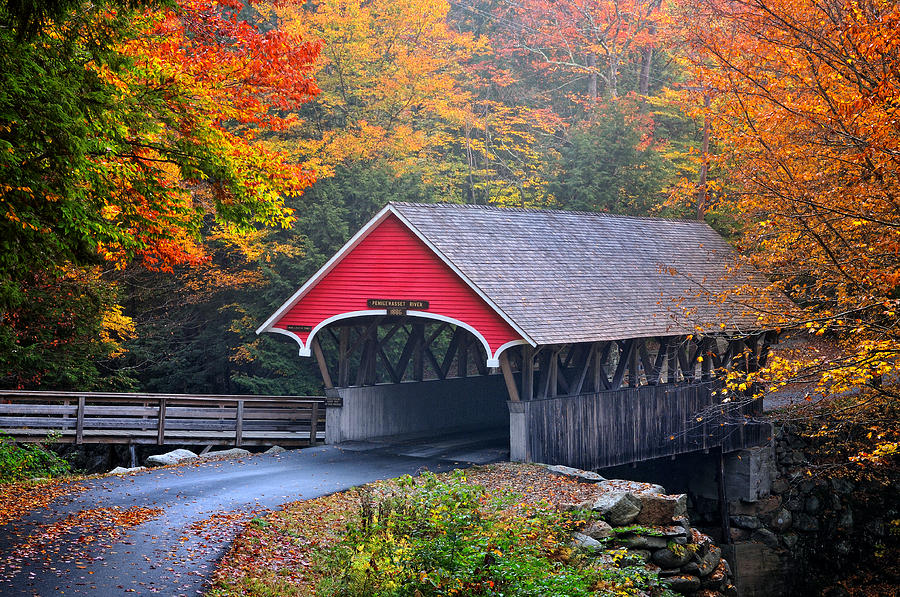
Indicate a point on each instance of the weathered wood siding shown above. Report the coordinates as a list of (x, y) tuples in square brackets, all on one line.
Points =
[(629, 425)]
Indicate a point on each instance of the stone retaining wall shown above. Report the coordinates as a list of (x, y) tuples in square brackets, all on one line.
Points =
[(811, 531), (631, 523)]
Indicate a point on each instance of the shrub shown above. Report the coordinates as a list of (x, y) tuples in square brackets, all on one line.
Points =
[(24, 461), (451, 538)]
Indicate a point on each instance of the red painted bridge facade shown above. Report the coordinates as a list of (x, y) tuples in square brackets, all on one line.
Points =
[(389, 263)]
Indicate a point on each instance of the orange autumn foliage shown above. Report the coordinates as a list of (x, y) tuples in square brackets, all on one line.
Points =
[(592, 39), (389, 73), (217, 82), (805, 109)]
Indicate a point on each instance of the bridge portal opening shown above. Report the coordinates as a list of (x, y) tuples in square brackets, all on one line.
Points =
[(409, 377)]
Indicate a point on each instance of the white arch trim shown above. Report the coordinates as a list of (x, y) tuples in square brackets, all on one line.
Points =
[(305, 351), (290, 335), (487, 347), (510, 344)]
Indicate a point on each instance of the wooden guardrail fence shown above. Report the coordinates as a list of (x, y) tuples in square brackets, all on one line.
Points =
[(96, 417)]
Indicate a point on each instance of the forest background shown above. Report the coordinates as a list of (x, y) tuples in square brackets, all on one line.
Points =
[(171, 171)]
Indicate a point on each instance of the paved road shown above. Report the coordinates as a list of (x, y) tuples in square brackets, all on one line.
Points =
[(202, 508)]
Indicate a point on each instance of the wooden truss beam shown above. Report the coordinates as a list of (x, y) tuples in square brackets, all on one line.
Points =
[(393, 350), (550, 371)]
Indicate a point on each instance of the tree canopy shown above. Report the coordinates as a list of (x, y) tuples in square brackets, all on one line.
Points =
[(171, 170), (805, 108)]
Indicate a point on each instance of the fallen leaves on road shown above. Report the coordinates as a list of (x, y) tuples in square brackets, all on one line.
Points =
[(70, 539), (18, 499), (279, 547), (220, 523)]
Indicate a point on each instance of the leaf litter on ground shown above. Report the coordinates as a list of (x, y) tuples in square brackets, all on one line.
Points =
[(278, 550)]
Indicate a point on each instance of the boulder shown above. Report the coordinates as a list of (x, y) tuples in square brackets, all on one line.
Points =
[(782, 520), (762, 506), (705, 565), (635, 487), (582, 541), (685, 524), (737, 534), (703, 541), (765, 536), (812, 505), (666, 558), (275, 450), (745, 522), (575, 473), (780, 485), (790, 539), (644, 542), (717, 578), (232, 453), (805, 522), (598, 530), (572, 506), (661, 510), (173, 457), (842, 486), (619, 508), (672, 531), (120, 470), (643, 554), (683, 583)]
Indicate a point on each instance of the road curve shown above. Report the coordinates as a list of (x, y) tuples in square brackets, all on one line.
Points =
[(201, 508)]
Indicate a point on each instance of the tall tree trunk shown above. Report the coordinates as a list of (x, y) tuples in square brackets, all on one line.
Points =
[(469, 159), (592, 78), (612, 83), (647, 59), (702, 190), (644, 81), (487, 146)]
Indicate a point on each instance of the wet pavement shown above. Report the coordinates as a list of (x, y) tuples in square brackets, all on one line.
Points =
[(162, 531)]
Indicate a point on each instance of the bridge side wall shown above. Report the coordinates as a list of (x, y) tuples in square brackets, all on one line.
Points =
[(416, 407), (605, 429)]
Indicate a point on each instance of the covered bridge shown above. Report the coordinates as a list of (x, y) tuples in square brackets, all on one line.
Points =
[(596, 338)]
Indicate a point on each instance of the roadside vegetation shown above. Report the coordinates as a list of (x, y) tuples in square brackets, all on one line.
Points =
[(31, 476), (19, 462), (485, 531)]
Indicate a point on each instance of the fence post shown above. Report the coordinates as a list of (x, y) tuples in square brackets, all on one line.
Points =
[(239, 423), (161, 428), (79, 422), (314, 425)]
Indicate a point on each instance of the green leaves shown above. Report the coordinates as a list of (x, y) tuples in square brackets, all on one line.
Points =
[(25, 461)]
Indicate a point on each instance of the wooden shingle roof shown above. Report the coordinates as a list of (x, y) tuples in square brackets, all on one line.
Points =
[(566, 277)]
